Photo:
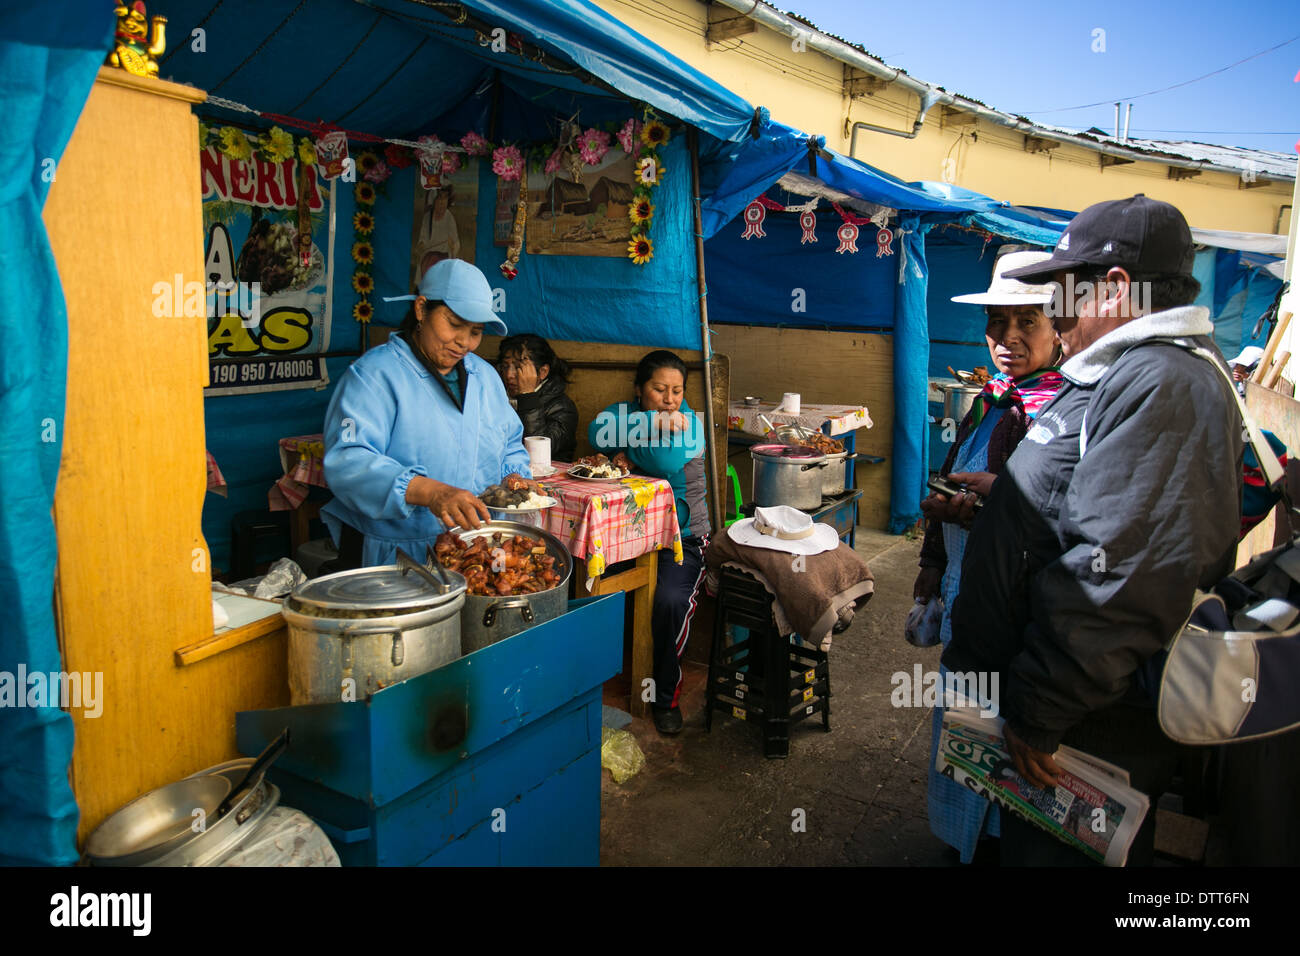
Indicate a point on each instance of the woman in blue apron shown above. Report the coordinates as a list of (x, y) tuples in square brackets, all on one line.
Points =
[(419, 426)]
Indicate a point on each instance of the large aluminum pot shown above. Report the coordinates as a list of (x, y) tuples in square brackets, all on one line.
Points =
[(123, 839), (788, 475), (372, 626), (957, 400), (835, 472), (486, 620)]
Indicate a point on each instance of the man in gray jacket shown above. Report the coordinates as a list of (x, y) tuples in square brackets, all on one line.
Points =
[(1122, 500)]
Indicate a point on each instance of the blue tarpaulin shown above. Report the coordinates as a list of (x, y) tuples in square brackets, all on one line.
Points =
[(48, 60)]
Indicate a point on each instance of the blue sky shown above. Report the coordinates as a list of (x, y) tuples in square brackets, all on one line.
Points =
[(1031, 56)]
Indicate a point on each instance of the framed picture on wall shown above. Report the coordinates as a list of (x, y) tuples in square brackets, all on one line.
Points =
[(445, 221), (588, 218), (504, 220)]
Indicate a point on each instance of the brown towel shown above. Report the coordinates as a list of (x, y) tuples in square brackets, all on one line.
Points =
[(810, 599)]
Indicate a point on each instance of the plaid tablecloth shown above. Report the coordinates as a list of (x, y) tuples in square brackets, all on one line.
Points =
[(610, 521), (303, 461), (842, 418), (216, 480)]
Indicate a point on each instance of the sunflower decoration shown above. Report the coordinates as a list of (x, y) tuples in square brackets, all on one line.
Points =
[(649, 171), (306, 151), (365, 194), (363, 283), (235, 144), (363, 223), (366, 162), (640, 250), (275, 145), (654, 134), (363, 311), (363, 253), (640, 212)]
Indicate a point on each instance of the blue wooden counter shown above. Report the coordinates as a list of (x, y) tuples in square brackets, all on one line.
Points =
[(493, 759)]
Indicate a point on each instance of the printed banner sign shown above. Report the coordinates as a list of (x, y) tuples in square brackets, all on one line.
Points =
[(266, 295)]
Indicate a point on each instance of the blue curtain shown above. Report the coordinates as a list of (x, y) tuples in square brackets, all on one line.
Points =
[(911, 383), (47, 65)]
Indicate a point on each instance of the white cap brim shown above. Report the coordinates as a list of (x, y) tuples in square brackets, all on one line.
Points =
[(1004, 298)]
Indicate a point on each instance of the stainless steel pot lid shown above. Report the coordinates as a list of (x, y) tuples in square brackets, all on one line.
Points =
[(373, 589)]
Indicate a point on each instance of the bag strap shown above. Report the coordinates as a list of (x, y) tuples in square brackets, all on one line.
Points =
[(1274, 474), (1268, 462)]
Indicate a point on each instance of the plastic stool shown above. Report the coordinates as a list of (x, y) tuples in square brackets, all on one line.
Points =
[(764, 678)]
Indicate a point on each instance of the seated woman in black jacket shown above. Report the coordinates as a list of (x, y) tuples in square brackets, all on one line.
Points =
[(535, 380)]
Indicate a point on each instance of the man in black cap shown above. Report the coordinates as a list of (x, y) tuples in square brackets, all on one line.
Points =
[(1122, 500)]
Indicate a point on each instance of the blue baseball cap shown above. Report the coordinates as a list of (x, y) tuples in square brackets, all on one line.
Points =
[(464, 289)]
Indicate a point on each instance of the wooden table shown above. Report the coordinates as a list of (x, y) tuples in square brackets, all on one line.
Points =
[(603, 523)]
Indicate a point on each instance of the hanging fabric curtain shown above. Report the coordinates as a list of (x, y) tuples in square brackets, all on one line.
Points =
[(48, 62)]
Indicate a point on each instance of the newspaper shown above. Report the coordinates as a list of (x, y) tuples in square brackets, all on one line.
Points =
[(1092, 808)]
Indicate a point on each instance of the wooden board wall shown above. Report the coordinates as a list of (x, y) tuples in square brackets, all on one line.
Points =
[(840, 368), (595, 388), (134, 577)]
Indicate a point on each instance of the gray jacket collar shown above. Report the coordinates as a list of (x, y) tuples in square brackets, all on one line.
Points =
[(1091, 365)]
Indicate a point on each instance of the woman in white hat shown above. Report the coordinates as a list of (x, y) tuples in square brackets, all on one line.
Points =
[(1025, 349)]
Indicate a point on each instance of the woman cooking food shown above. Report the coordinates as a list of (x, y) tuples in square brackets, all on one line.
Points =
[(419, 426), (535, 379), (1025, 349), (666, 440)]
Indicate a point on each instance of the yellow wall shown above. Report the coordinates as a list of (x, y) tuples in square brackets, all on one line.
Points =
[(804, 90)]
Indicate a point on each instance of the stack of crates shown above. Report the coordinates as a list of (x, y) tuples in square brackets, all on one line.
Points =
[(762, 677)]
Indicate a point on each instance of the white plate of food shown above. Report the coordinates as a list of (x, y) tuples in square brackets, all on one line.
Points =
[(585, 474), (597, 468), (535, 503)]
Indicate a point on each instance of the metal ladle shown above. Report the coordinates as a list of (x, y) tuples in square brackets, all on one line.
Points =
[(408, 563)]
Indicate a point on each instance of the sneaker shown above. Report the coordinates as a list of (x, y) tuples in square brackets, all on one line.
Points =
[(668, 720)]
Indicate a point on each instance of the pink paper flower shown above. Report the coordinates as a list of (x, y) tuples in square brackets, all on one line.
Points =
[(450, 163), (554, 161), (629, 136), (475, 144), (508, 163), (593, 145), (378, 172)]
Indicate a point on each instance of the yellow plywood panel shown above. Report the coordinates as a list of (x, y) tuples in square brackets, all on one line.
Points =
[(838, 368), (134, 577)]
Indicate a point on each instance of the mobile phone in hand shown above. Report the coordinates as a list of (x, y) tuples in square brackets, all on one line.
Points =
[(944, 487)]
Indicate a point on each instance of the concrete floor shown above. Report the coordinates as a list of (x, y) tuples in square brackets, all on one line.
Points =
[(713, 799)]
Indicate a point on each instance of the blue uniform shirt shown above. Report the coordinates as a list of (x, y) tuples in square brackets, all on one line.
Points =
[(389, 421)]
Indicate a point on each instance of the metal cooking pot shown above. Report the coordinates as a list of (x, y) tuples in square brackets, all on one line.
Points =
[(833, 475), (957, 399), (486, 619), (788, 475), (117, 842), (374, 626)]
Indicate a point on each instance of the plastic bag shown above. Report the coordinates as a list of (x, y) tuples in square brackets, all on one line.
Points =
[(280, 580), (923, 622), (620, 754), (288, 837)]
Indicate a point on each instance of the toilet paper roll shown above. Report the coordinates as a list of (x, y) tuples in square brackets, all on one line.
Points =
[(539, 452), (790, 403)]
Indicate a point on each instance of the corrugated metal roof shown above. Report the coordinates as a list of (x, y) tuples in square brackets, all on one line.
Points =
[(1233, 157)]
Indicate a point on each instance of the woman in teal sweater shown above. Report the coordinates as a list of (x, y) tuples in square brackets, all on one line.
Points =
[(663, 438)]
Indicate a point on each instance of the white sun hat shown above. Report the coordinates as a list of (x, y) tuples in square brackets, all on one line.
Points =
[(783, 528), (1004, 291), (1249, 356)]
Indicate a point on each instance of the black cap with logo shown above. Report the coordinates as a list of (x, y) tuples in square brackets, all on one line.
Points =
[(1144, 236)]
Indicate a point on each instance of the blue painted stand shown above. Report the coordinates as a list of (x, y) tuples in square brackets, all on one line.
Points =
[(493, 759)]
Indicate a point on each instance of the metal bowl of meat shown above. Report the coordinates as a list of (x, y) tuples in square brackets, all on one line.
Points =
[(517, 578)]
